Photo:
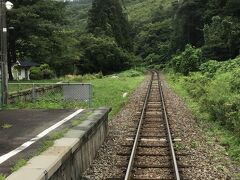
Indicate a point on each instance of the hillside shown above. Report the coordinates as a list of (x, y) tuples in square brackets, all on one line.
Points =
[(77, 14), (142, 11)]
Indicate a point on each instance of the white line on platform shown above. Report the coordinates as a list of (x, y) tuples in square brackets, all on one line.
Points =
[(5, 157)]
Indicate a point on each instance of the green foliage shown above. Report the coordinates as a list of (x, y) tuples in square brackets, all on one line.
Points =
[(221, 38), (6, 126), (235, 81), (187, 61), (107, 91), (211, 67), (221, 100), (152, 59), (20, 163), (152, 25), (42, 72), (230, 65), (102, 54), (40, 33), (216, 88), (154, 39), (221, 103), (194, 144), (36, 73), (47, 143), (107, 18), (81, 78), (141, 12), (132, 73), (179, 146), (214, 100), (2, 177), (51, 32), (219, 21), (200, 82), (77, 15), (188, 23)]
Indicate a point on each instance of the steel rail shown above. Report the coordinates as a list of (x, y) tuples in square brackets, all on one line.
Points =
[(174, 160), (136, 140)]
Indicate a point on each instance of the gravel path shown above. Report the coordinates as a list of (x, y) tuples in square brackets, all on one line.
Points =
[(209, 160)]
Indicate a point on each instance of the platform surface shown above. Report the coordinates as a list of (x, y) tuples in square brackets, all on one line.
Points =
[(26, 125)]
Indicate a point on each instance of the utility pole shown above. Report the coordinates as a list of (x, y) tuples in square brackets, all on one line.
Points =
[(4, 66)]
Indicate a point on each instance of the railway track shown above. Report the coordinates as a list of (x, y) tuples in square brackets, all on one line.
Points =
[(150, 153)]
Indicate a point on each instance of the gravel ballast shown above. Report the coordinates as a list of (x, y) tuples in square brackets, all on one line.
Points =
[(207, 160)]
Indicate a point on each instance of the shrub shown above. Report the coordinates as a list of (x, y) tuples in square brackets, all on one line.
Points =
[(152, 59), (221, 38), (218, 94), (36, 73), (81, 78), (222, 104), (196, 84), (210, 67), (42, 72), (235, 81), (102, 54), (187, 61), (230, 65), (131, 73)]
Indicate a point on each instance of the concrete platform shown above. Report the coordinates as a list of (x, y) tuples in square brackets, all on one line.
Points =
[(71, 155), (28, 127)]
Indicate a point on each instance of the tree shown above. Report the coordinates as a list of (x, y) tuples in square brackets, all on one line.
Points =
[(187, 61), (154, 39), (107, 18), (102, 54), (214, 8), (222, 38), (188, 24), (40, 33), (232, 8)]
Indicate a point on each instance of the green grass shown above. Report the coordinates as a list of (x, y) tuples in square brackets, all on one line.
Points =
[(107, 91), (20, 87), (179, 146), (19, 164), (213, 129), (45, 144), (50, 140), (2, 177), (76, 122), (6, 126)]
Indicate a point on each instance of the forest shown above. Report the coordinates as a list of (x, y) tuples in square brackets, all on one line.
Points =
[(196, 42), (109, 36)]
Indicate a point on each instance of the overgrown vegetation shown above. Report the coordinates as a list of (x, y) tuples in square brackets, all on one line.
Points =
[(213, 94), (19, 164), (108, 36), (49, 141), (2, 177), (81, 38), (107, 91), (198, 40)]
